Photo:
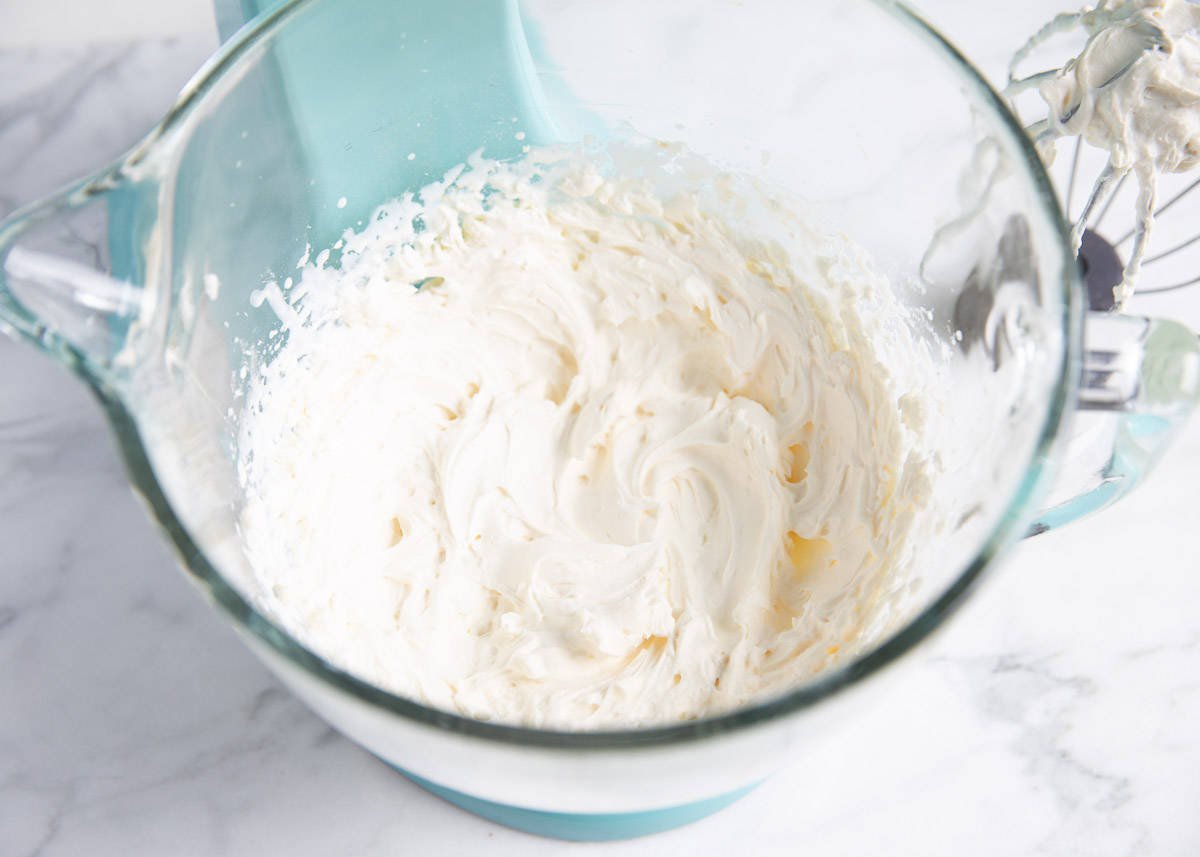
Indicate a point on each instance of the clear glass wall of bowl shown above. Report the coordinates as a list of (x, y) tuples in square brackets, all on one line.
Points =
[(334, 106)]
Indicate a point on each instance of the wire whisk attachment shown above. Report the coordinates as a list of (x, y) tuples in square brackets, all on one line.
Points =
[(1132, 93)]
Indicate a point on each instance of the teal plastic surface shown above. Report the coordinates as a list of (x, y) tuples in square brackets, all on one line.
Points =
[(375, 117), (1140, 439), (584, 827), (390, 115)]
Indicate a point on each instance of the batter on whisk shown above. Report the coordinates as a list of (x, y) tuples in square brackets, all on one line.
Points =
[(1133, 91)]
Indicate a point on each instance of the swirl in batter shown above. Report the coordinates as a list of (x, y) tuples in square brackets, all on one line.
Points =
[(560, 448)]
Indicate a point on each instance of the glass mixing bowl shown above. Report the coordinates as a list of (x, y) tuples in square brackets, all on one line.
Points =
[(319, 110)]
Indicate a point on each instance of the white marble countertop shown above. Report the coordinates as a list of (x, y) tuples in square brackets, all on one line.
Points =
[(1057, 714)]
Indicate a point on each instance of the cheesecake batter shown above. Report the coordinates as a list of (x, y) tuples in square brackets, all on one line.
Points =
[(556, 446)]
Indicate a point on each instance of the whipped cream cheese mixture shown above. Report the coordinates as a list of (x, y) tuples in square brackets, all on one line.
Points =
[(557, 446), (1133, 91)]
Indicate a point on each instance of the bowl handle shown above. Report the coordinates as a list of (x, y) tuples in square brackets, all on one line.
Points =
[(1140, 381), (57, 287)]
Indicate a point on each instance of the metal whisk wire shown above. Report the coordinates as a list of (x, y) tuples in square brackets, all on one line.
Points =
[(1142, 36)]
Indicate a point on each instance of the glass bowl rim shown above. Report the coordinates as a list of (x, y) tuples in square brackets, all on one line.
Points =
[(1008, 528)]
